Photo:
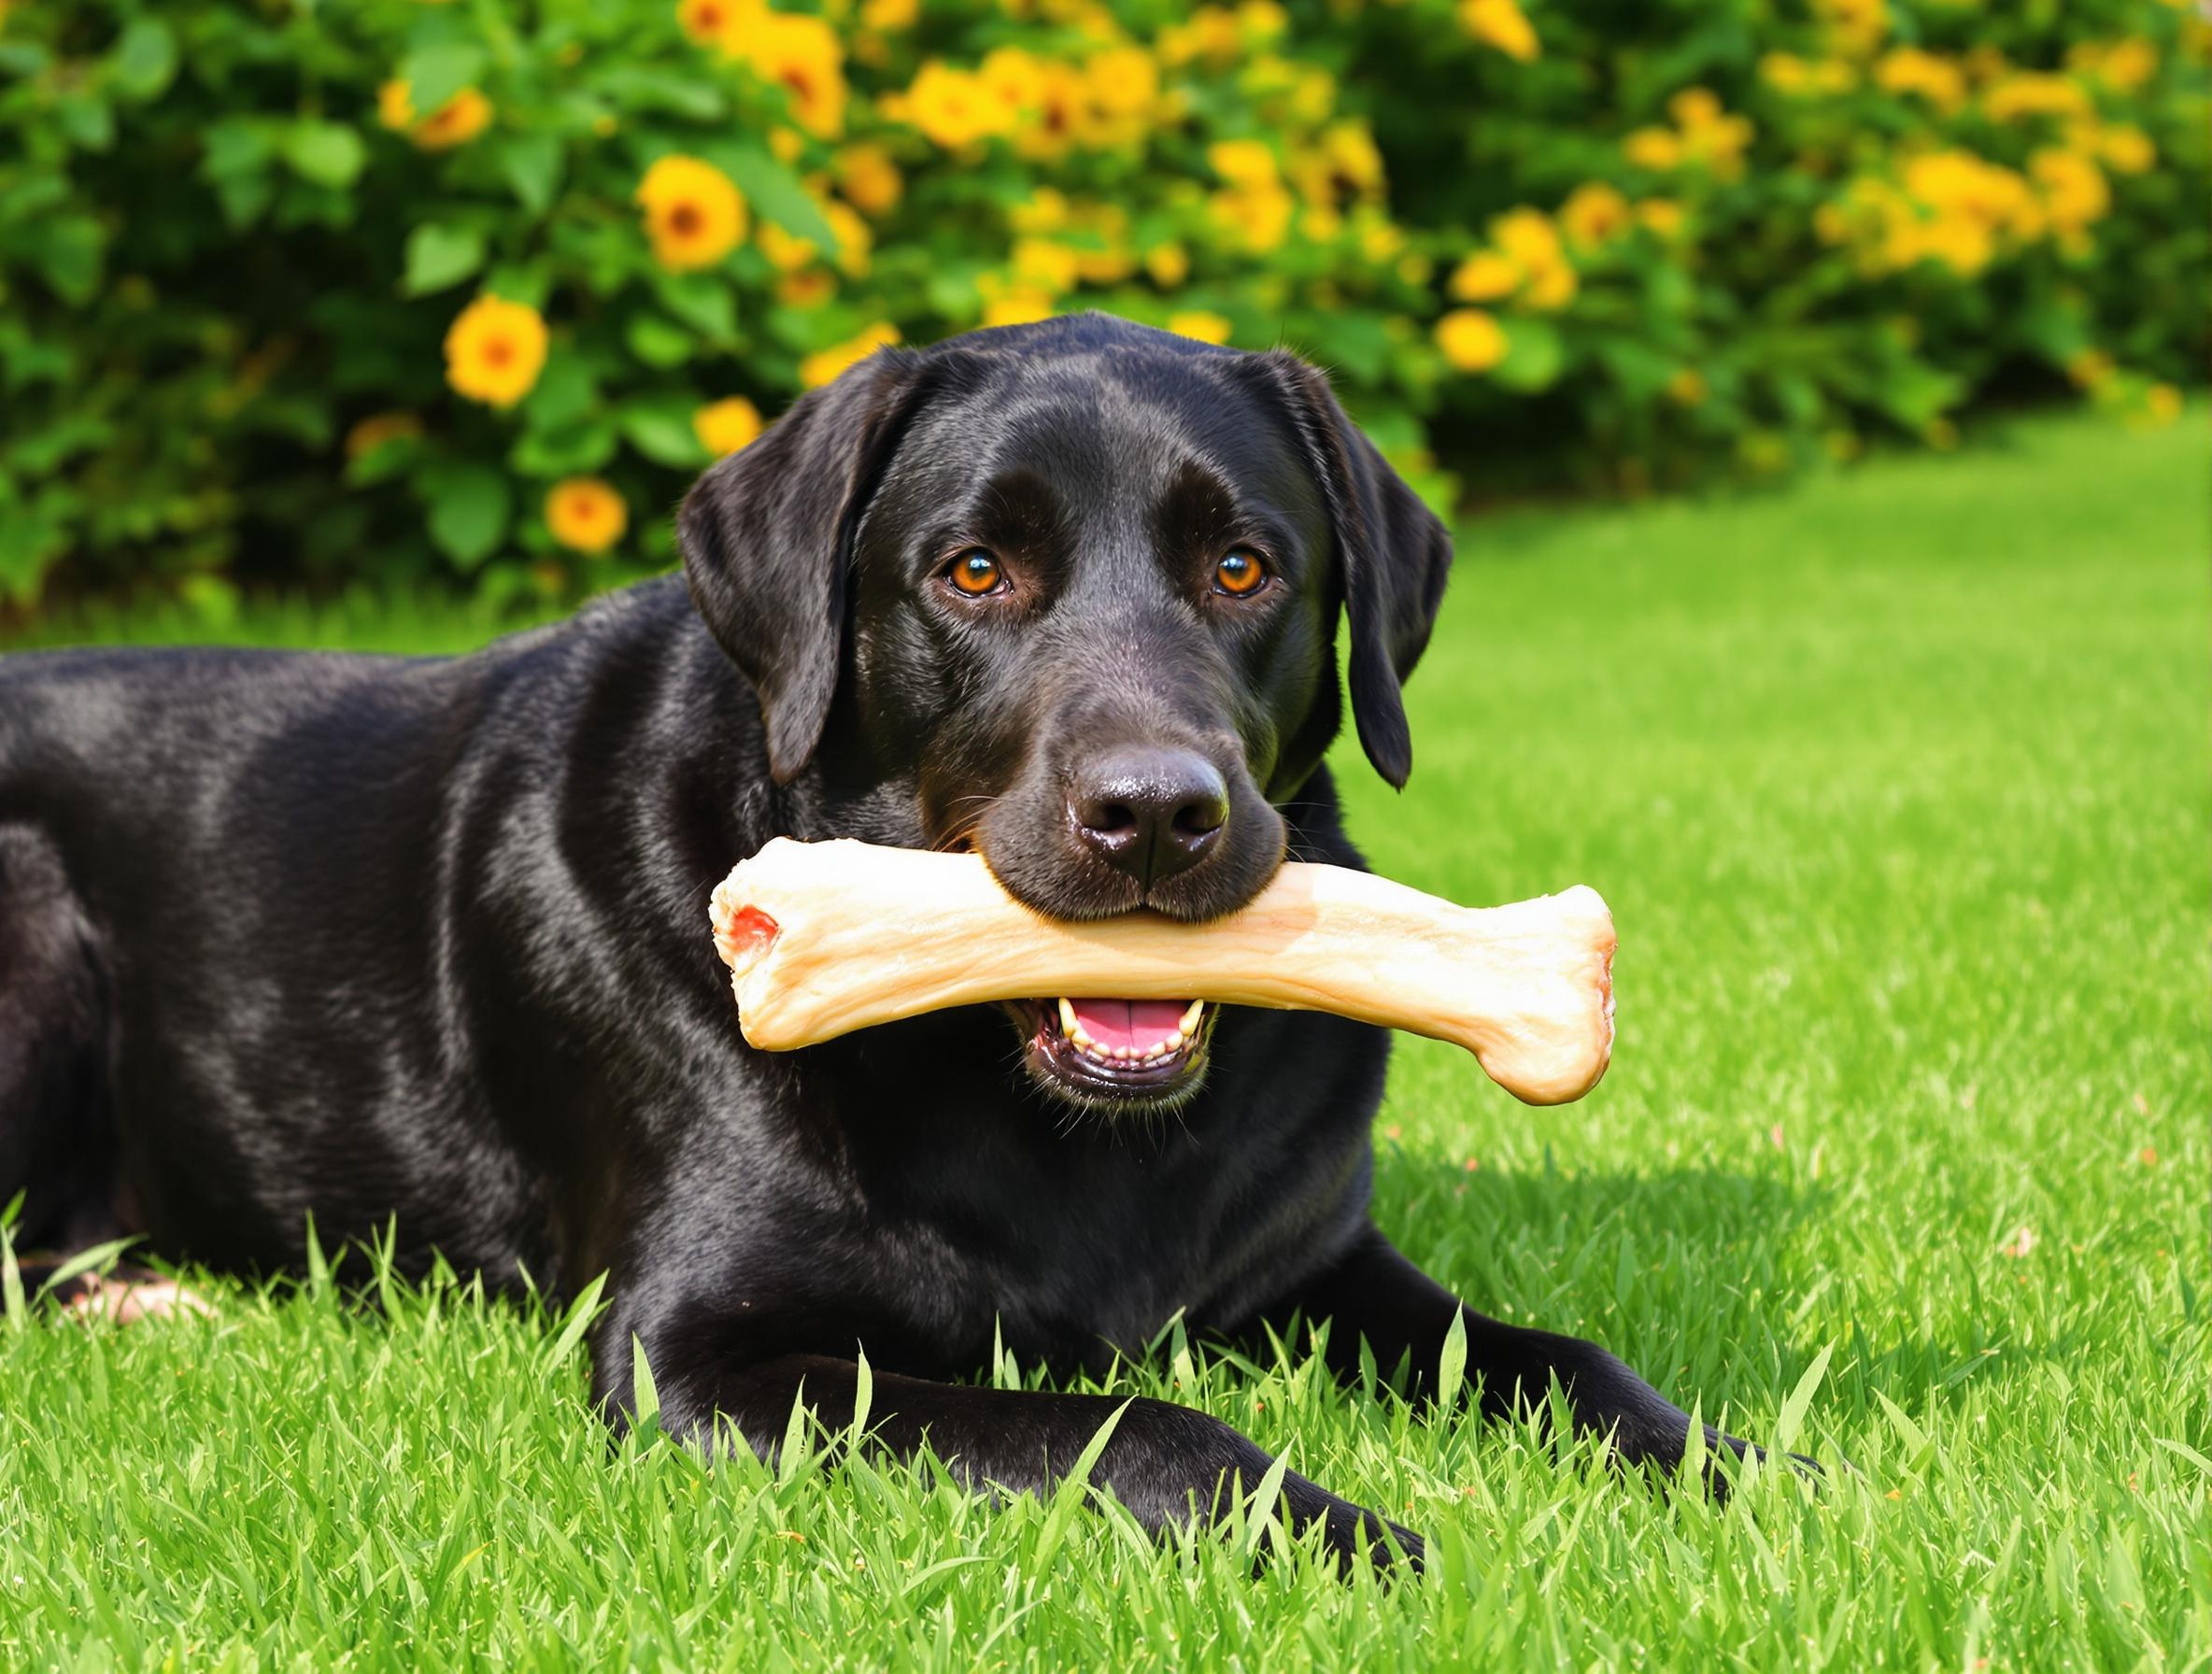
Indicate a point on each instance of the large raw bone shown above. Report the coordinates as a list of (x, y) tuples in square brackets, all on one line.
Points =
[(825, 938)]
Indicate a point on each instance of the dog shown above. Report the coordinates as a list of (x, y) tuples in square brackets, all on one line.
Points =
[(352, 937)]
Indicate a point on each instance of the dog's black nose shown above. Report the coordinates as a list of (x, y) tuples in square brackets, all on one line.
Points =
[(1150, 813)]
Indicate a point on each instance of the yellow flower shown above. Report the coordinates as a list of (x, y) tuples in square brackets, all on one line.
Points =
[(1210, 32), (1784, 72), (1502, 24), (1485, 276), (1125, 87), (1653, 148), (1050, 99), (2126, 148), (1379, 241), (727, 425), (2030, 93), (495, 349), (1695, 108), (2123, 66), (825, 364), (1168, 265), (1246, 165), (1045, 265), (1044, 210), (455, 122), (1856, 26), (1552, 287), (809, 289), (889, 16), (1528, 237), (715, 23), (1473, 340), (956, 107), (372, 433), (1258, 219), (1909, 70), (2162, 403), (1016, 305), (869, 178), (854, 240), (1662, 216), (1687, 388), (2073, 188), (1197, 322), (2091, 369), (1594, 212), (800, 55), (786, 252), (585, 515), (694, 213)]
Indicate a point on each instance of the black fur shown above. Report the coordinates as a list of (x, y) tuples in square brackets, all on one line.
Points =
[(367, 936)]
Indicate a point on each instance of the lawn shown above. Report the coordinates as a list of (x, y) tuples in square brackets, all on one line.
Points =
[(1897, 783)]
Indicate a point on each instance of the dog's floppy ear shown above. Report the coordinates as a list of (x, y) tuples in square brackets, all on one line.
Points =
[(1394, 551), (768, 535)]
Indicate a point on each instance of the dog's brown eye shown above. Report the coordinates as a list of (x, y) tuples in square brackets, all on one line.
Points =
[(1241, 571), (976, 573)]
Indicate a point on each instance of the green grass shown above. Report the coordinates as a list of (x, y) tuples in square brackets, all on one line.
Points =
[(1898, 785)]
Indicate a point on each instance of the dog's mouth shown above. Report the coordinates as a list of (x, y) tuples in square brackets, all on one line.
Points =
[(1132, 1052)]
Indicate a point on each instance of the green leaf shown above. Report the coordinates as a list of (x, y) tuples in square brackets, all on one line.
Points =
[(772, 189), (102, 1255), (863, 1397), (1452, 1360), (439, 256), (86, 119), (529, 282), (1067, 1498), (702, 302), (565, 392), (11, 1282), (581, 1312), (661, 429), (145, 59), (1268, 1496), (533, 163), (434, 74), (643, 1398), (469, 509), (1534, 357), (328, 153), (658, 342), (31, 540), (651, 87), (68, 254), (566, 449), (1792, 1419)]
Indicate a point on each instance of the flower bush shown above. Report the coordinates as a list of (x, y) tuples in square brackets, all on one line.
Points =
[(462, 293)]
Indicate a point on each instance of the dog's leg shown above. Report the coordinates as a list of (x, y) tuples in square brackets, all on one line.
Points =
[(57, 1142), (1376, 1295), (1163, 1462)]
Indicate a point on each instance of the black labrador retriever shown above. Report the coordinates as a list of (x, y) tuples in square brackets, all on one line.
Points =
[(362, 936)]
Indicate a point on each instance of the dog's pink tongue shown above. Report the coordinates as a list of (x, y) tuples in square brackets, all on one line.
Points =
[(1129, 1021)]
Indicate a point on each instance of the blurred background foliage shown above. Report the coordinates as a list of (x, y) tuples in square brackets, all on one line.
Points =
[(404, 294)]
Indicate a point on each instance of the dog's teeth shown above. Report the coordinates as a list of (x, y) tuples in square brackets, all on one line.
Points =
[(1187, 1025), (1068, 1026)]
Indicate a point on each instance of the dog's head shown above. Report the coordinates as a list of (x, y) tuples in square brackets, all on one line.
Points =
[(1068, 593)]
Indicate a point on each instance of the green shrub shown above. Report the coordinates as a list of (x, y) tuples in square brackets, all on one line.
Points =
[(409, 293)]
